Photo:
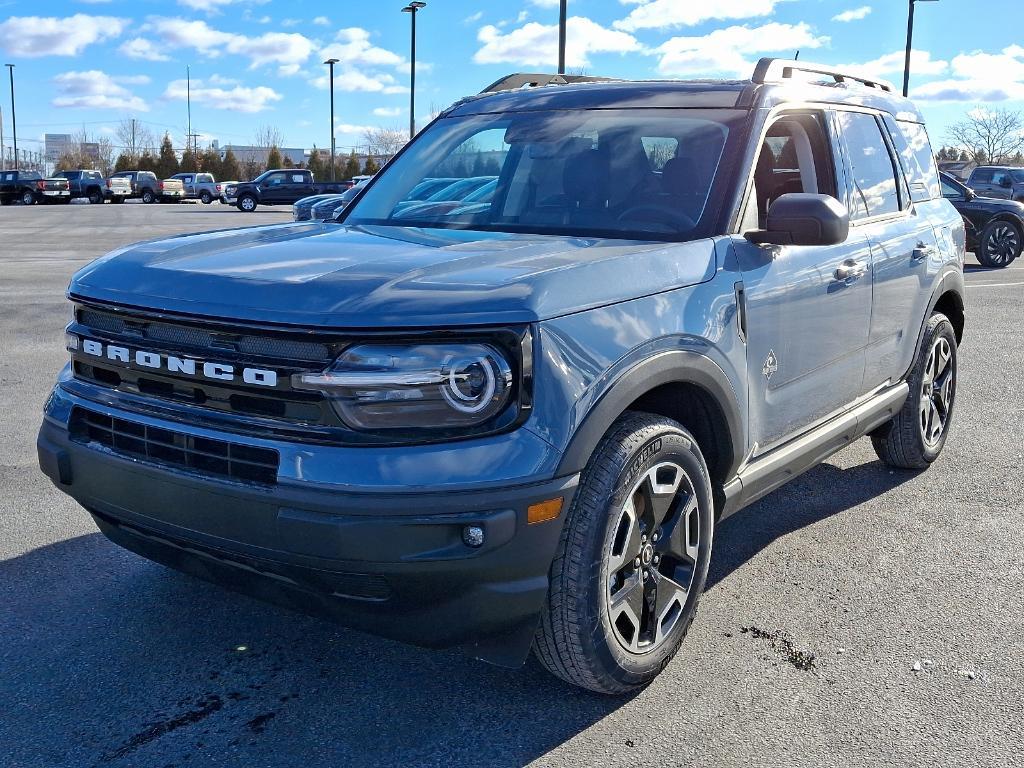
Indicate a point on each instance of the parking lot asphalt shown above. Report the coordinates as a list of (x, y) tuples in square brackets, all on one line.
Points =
[(857, 616)]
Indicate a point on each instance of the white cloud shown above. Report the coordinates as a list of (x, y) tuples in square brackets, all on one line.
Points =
[(921, 63), (32, 36), (536, 44), (724, 51), (353, 47), (663, 14), (387, 111), (473, 18), (290, 22), (270, 48), (236, 99), (354, 80), (142, 48), (545, 3), (98, 90), (289, 70), (214, 6), (322, 21), (978, 76), (854, 14)]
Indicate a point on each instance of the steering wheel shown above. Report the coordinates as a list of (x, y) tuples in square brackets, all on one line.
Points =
[(660, 214)]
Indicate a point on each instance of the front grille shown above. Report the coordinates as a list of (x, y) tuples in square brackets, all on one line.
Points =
[(201, 340), (155, 445)]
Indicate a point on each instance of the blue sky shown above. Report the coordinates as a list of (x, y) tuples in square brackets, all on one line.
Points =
[(92, 63)]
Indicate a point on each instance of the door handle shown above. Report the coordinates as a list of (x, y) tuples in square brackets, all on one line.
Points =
[(923, 252), (851, 269)]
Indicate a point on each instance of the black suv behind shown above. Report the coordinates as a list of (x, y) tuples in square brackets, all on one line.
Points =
[(995, 228)]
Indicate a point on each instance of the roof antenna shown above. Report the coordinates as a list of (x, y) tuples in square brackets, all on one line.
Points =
[(797, 57)]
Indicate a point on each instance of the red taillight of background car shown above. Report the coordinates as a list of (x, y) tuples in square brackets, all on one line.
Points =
[(160, 185), (41, 184), (218, 187)]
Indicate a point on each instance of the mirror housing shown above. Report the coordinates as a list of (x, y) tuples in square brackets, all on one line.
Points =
[(802, 218)]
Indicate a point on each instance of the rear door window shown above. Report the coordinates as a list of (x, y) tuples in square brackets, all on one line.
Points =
[(982, 175), (875, 192)]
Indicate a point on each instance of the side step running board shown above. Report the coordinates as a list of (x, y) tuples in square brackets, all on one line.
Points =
[(765, 474)]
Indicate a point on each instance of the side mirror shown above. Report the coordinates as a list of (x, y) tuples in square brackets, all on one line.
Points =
[(971, 194), (801, 218)]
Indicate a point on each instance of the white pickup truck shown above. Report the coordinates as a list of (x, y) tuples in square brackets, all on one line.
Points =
[(201, 186)]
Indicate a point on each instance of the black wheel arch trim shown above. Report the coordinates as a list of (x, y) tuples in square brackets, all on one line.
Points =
[(668, 367)]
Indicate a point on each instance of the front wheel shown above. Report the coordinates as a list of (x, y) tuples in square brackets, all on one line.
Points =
[(632, 560), (914, 438), (247, 203), (1000, 243), (205, 197)]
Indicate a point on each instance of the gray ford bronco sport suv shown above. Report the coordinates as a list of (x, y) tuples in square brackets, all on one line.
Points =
[(513, 425)]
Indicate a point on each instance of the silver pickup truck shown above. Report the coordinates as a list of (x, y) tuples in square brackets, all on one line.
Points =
[(201, 186)]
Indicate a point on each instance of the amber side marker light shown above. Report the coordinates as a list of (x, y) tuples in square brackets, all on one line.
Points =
[(543, 511)]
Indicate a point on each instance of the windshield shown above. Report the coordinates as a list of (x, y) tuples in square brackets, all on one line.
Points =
[(641, 173)]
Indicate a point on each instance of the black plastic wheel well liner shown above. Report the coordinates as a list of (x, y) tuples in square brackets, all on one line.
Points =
[(685, 386)]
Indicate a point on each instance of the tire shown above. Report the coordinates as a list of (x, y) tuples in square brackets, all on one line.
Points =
[(913, 439), (247, 203), (597, 627), (148, 197), (28, 198), (205, 197), (1000, 243), (95, 197)]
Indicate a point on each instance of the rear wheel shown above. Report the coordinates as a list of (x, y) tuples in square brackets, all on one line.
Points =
[(632, 560), (95, 197), (914, 438), (1000, 243), (28, 198), (148, 197), (205, 197)]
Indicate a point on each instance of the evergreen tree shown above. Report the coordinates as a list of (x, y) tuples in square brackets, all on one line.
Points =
[(167, 161), (123, 163), (315, 164), (209, 162), (288, 163), (351, 166), (229, 169), (370, 167), (1018, 159), (147, 162), (274, 159), (189, 162)]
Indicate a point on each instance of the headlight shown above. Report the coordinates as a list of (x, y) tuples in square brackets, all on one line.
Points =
[(416, 386)]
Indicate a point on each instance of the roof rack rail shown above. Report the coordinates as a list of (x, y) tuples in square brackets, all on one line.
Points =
[(773, 70), (519, 80)]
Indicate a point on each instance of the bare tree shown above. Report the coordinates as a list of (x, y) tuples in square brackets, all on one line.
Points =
[(268, 136), (384, 142), (133, 138), (990, 135), (89, 152)]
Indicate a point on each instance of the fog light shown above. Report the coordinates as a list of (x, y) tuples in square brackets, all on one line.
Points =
[(473, 536)]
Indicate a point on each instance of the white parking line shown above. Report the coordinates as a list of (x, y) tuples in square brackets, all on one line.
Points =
[(992, 285)]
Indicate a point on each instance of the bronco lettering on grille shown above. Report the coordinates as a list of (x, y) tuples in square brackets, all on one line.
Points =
[(211, 370)]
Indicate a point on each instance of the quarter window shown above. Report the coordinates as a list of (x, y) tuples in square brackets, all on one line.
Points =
[(915, 154), (874, 190)]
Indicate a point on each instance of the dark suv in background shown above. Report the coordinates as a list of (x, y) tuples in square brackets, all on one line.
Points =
[(995, 228), (998, 181)]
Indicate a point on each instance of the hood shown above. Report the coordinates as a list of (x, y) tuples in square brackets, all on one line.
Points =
[(330, 275)]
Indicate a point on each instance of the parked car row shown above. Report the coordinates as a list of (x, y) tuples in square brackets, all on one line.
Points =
[(995, 227)]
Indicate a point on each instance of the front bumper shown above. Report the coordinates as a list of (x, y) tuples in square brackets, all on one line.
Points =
[(390, 563)]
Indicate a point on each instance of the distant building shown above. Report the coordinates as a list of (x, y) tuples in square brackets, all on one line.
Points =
[(55, 145), (259, 155)]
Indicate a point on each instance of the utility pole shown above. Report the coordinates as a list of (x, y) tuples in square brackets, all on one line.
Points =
[(188, 100), (562, 20), (412, 8), (330, 63), (2, 148), (134, 153), (14, 119)]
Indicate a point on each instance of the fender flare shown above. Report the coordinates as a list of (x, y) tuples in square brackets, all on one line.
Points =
[(670, 367)]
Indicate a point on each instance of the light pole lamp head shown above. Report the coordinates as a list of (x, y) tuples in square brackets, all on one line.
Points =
[(414, 6), (332, 62)]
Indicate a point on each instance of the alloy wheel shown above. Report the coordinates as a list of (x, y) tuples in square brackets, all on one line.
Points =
[(652, 558), (938, 388), (1003, 244)]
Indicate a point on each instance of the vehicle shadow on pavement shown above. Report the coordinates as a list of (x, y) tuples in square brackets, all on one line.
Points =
[(820, 493), (110, 660)]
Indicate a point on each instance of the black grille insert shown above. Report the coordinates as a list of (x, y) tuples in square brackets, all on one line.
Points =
[(219, 458)]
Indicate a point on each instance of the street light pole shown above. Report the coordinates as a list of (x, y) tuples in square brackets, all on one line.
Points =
[(14, 118), (411, 9), (330, 63), (910, 42), (562, 10)]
